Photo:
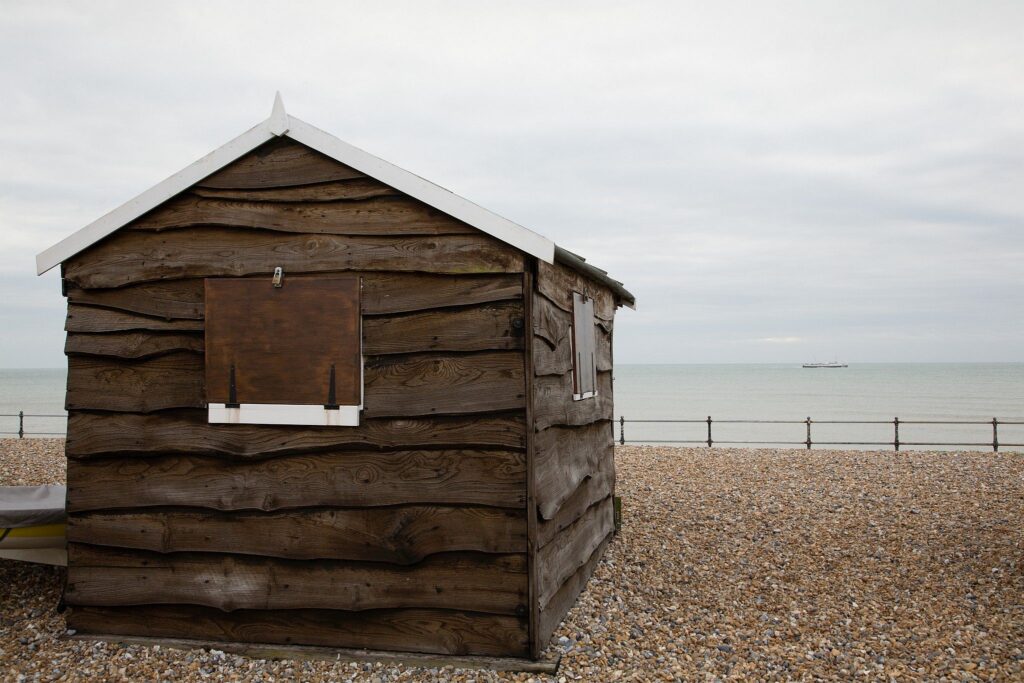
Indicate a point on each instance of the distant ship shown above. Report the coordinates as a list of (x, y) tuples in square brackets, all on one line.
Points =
[(833, 364)]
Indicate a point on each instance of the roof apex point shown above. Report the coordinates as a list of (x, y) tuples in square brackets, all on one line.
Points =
[(278, 120)]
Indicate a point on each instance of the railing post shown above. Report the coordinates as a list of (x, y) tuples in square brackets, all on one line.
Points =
[(995, 435), (622, 430), (21, 424), (896, 430), (709, 432), (808, 432)]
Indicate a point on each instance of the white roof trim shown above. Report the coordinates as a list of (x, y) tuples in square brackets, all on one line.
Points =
[(281, 124)]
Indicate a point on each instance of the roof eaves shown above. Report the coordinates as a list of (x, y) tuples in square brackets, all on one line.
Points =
[(580, 265)]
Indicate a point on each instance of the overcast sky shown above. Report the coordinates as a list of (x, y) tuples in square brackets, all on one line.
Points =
[(775, 182)]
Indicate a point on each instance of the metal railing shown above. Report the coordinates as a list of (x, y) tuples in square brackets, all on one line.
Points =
[(21, 415), (896, 422)]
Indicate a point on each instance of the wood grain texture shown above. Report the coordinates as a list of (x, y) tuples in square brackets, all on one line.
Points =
[(554, 404), (473, 328), (436, 384), (113, 577), (557, 283), (281, 162), (339, 190), (559, 561), (562, 601), (594, 488), (165, 299), (336, 479), (383, 293), (187, 431), (95, 319), (172, 380), (137, 344), (133, 256), (437, 631), (399, 535), (565, 456), (399, 215), (395, 386)]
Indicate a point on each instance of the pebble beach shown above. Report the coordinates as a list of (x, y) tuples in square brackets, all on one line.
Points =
[(731, 564)]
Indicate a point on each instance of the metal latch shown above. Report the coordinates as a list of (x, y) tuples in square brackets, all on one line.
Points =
[(278, 276)]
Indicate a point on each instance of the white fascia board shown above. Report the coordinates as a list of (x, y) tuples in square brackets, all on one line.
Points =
[(154, 196), (283, 414), (413, 185)]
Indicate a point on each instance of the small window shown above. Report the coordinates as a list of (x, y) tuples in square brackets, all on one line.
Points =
[(288, 354), (584, 365)]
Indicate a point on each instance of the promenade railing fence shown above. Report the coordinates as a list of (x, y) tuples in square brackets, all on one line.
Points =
[(48, 427)]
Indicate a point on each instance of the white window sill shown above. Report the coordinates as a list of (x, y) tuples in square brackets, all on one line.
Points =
[(284, 414)]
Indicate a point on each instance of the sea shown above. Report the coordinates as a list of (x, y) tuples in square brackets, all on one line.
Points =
[(865, 392)]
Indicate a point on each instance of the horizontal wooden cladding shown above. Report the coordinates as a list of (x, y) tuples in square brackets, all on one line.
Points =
[(595, 487), (398, 215), (95, 319), (337, 190), (557, 283), (172, 380), (428, 384), (553, 404), (474, 328), (564, 457), (137, 344), (435, 631), (553, 349), (187, 431), (280, 163), (562, 601), (163, 299), (557, 562), (399, 535), (395, 386), (382, 293), (334, 479), (112, 577), (133, 256)]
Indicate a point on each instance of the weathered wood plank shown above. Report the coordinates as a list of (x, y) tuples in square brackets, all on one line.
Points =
[(560, 604), (165, 299), (334, 479), (383, 293), (594, 488), (377, 216), (559, 561), (475, 328), (557, 283), (95, 319), (565, 456), (113, 577), (339, 190), (437, 631), (399, 535), (436, 384), (395, 386), (280, 163), (554, 405), (132, 344), (173, 380), (187, 431), (133, 256)]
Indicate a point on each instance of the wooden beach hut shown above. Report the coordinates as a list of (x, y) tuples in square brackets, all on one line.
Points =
[(316, 399)]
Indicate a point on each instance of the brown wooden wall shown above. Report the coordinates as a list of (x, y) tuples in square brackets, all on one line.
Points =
[(573, 469), (408, 532)]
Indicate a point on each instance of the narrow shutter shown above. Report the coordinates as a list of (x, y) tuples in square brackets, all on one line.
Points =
[(584, 347)]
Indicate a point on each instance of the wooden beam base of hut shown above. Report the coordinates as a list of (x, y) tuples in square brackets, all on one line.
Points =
[(546, 665)]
